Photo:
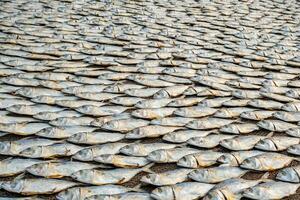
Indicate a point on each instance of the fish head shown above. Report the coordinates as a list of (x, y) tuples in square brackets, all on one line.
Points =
[(24, 91), (199, 175), (14, 186), (38, 169), (188, 161), (46, 132), (16, 108), (192, 124), (110, 125), (161, 94), (265, 124), (228, 159), (292, 93), (289, 175), (171, 137), (250, 163), (295, 149), (222, 113), (288, 107), (163, 193), (238, 94), (266, 144), (189, 91), (197, 141), (111, 88), (140, 104), (4, 147), (129, 149), (230, 128), (294, 132), (69, 194), (84, 155), (82, 175), (136, 133), (215, 195), (279, 115), (158, 155), (229, 143), (150, 179), (32, 152), (253, 193), (78, 137), (116, 100), (180, 112), (248, 115), (84, 109), (106, 158)]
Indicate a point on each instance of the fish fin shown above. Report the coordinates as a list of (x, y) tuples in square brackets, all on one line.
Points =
[(20, 176), (297, 159), (181, 145), (265, 177), (270, 134), (146, 168), (137, 188)]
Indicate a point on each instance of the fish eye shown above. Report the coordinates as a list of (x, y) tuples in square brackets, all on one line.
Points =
[(159, 190)]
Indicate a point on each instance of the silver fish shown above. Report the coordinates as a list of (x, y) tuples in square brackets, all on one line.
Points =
[(277, 143), (195, 111), (237, 157), (186, 190), (184, 135), (216, 174), (63, 131), (166, 178), (152, 113), (294, 149), (276, 125), (144, 149), (95, 137), (201, 159), (123, 196), (271, 190), (150, 131), (37, 186), (239, 128), (122, 161), (124, 125), (208, 123), (208, 141)]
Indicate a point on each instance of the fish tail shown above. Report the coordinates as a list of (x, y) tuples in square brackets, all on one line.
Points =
[(270, 134), (137, 188), (147, 168)]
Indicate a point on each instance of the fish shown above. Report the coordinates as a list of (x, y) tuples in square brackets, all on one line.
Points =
[(278, 97), (208, 141), (201, 159), (239, 128), (181, 136), (295, 132), (98, 122), (8, 102), (153, 103), (294, 149), (265, 104), (23, 128), (123, 196), (150, 131), (97, 96), (185, 190), (35, 186), (78, 193), (59, 169), (214, 102), (216, 174), (48, 116), (111, 176), (170, 155), (89, 153), (257, 114), (126, 101), (276, 143), (242, 142), (231, 189), (71, 121), (7, 119), (33, 109), (95, 137), (170, 92), (186, 102), (140, 149), (75, 103), (124, 125), (15, 147), (208, 123), (236, 102), (246, 94), (122, 161), (287, 116), (291, 107), (13, 166), (267, 162), (120, 88), (63, 131), (166, 178), (152, 113), (48, 151), (195, 111), (101, 111), (143, 92), (289, 174), (192, 90), (276, 125), (271, 190), (237, 157), (83, 88), (232, 112), (32, 92)]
